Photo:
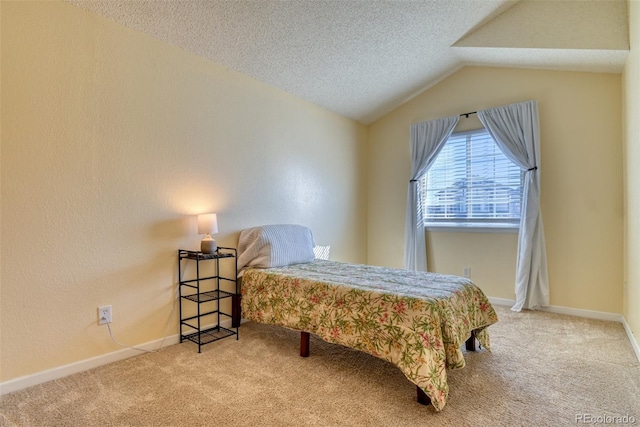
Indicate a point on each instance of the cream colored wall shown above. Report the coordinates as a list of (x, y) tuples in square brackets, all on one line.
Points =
[(490, 256), (111, 142), (631, 81), (581, 178)]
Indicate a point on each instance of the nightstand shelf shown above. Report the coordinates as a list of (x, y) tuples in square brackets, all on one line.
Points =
[(209, 335), (204, 295), (209, 296)]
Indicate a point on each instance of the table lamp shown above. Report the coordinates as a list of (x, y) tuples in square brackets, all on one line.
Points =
[(208, 224)]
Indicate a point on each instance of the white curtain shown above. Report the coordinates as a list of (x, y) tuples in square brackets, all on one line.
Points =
[(427, 139), (516, 130)]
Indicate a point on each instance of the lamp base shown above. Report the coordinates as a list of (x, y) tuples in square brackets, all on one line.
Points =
[(208, 246)]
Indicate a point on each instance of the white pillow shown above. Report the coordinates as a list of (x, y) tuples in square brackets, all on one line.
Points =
[(321, 252)]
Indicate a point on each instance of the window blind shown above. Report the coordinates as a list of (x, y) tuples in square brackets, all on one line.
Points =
[(471, 180)]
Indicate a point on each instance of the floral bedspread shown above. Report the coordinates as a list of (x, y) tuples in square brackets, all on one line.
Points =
[(415, 320)]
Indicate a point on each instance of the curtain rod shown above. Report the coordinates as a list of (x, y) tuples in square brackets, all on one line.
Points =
[(466, 115)]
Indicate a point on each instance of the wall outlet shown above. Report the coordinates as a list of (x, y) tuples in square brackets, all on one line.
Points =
[(104, 314), (467, 272)]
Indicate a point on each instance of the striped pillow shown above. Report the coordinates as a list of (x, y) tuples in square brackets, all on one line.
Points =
[(275, 246)]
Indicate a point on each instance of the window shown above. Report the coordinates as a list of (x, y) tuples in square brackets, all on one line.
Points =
[(472, 184)]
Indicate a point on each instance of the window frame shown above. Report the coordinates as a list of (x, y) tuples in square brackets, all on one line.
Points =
[(487, 225)]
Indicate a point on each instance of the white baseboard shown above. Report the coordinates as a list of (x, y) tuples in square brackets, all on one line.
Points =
[(82, 365), (501, 301), (632, 338), (591, 314), (94, 362)]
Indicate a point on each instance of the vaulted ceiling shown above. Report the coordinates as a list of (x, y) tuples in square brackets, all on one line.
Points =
[(362, 58)]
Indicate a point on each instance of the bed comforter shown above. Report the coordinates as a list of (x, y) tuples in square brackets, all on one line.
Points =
[(415, 320)]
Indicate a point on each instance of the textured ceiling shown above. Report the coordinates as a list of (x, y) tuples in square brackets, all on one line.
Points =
[(362, 59)]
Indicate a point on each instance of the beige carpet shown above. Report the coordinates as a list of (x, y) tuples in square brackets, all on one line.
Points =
[(545, 370)]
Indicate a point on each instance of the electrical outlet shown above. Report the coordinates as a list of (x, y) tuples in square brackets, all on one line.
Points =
[(467, 272), (104, 314)]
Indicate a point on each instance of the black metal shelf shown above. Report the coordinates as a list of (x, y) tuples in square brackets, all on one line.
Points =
[(209, 335), (208, 296), (206, 290), (222, 252), (201, 315)]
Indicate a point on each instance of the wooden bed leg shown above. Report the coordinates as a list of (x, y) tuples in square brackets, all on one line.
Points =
[(471, 342), (423, 399), (304, 344)]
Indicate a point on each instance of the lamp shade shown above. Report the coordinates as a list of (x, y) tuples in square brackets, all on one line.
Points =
[(207, 223)]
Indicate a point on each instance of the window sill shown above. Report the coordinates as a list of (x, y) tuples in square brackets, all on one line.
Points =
[(473, 228)]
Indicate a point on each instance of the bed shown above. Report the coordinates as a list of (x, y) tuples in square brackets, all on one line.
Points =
[(415, 320)]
